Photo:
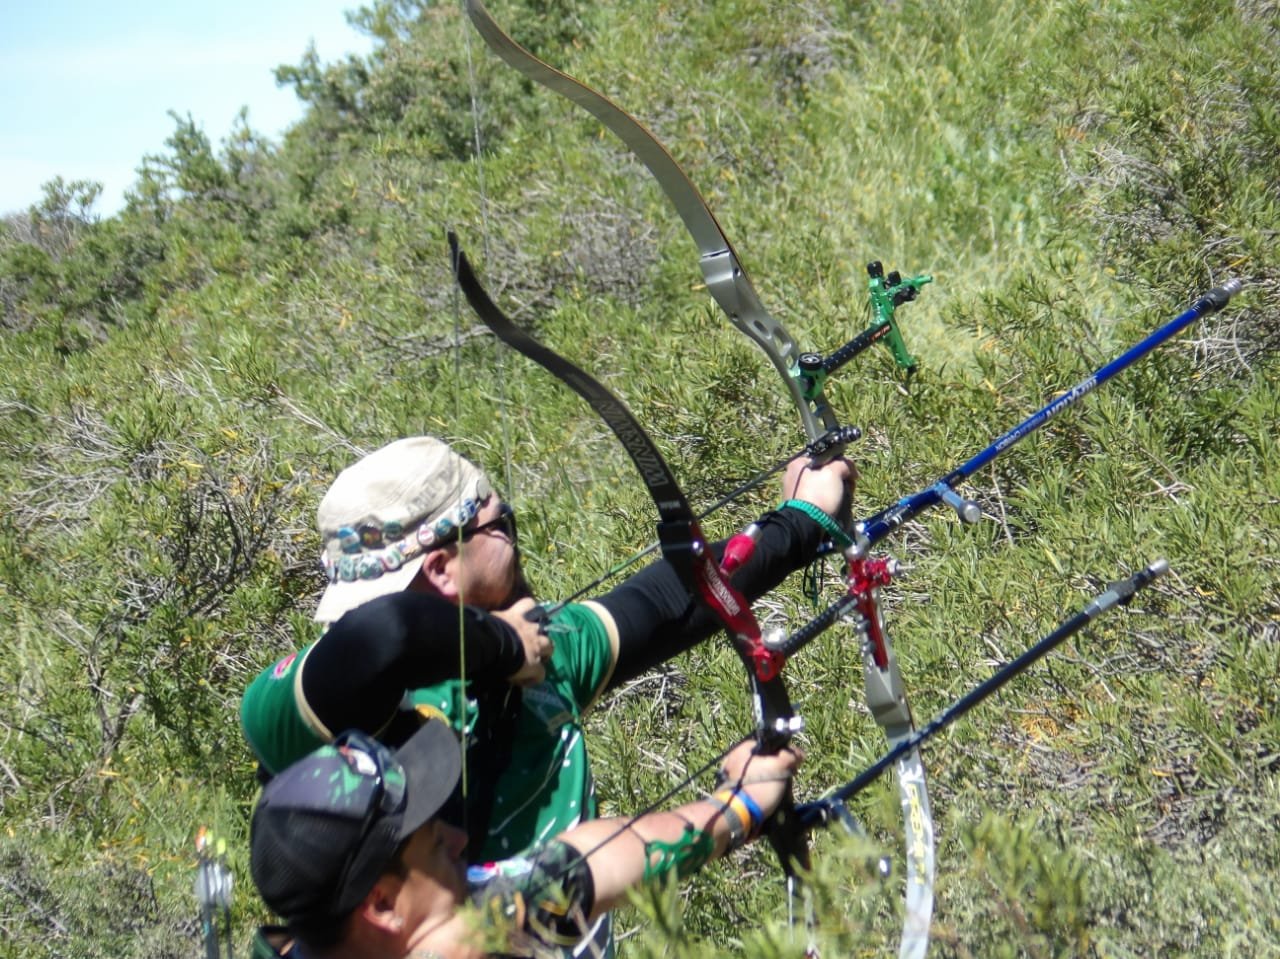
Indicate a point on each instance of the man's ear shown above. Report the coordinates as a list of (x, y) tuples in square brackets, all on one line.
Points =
[(379, 906), (436, 574)]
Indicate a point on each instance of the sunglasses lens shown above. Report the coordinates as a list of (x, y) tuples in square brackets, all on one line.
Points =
[(504, 523)]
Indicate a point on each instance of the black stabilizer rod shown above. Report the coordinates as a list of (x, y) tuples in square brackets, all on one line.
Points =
[(828, 809)]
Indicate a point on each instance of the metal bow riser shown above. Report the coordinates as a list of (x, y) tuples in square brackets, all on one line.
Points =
[(804, 375)]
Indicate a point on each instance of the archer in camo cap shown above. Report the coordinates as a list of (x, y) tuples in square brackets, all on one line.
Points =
[(325, 829), (382, 515), (356, 848)]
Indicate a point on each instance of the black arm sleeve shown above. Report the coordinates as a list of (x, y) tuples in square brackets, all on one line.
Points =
[(357, 672), (656, 617)]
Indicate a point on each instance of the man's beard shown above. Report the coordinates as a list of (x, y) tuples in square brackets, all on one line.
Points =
[(520, 588)]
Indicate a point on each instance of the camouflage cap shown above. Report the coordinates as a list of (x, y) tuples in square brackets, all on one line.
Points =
[(327, 827)]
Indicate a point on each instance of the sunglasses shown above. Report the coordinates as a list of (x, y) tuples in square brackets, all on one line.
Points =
[(504, 523), (370, 759)]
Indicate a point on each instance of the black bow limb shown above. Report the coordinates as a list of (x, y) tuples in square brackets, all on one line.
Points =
[(683, 545)]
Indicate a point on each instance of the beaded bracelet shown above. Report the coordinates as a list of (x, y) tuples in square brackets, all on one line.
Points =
[(819, 516)]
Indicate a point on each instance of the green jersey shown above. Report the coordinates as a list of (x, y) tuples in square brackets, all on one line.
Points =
[(547, 786)]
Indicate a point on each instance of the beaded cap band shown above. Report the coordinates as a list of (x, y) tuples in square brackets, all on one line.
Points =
[(383, 513), (366, 554)]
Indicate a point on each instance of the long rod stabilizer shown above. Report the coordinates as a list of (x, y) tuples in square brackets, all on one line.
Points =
[(877, 527)]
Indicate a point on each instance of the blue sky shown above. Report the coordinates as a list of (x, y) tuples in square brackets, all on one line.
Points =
[(85, 87)]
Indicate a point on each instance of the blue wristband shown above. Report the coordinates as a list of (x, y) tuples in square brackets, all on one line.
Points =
[(757, 817)]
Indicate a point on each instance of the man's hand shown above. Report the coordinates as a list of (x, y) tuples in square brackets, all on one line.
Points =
[(537, 645), (828, 487), (763, 777)]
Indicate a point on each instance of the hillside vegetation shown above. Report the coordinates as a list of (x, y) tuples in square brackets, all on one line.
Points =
[(179, 383)]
